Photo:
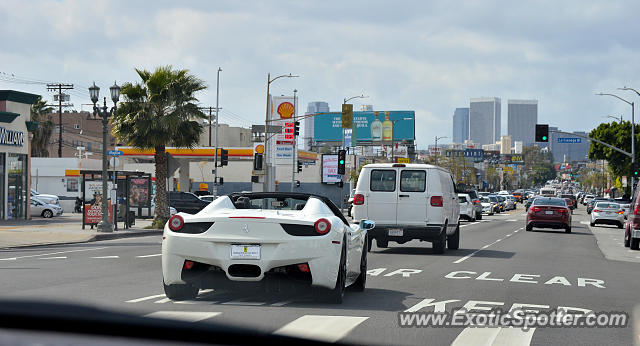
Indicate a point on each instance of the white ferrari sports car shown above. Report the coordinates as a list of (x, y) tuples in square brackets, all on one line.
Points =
[(250, 239)]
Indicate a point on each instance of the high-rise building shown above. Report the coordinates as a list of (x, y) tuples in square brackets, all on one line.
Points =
[(460, 125), (505, 145), (312, 107), (522, 117), (484, 120)]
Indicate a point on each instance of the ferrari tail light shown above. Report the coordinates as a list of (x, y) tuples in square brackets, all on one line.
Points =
[(303, 267), (358, 199), (322, 226), (188, 265), (176, 222), (436, 201), (595, 211)]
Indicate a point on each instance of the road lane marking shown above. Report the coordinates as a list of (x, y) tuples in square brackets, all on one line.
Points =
[(101, 257), (187, 316), (49, 258), (49, 254), (137, 300), (162, 301), (480, 249), (320, 327), (282, 303), (145, 256), (243, 302), (494, 336)]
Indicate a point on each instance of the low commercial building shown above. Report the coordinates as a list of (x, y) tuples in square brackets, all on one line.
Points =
[(15, 124)]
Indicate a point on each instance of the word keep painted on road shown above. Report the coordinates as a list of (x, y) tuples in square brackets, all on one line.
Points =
[(525, 278), (570, 140)]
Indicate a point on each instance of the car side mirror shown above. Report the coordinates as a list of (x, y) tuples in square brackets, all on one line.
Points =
[(367, 224)]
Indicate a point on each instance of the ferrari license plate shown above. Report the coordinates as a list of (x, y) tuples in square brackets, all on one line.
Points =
[(395, 232), (245, 251), (549, 212)]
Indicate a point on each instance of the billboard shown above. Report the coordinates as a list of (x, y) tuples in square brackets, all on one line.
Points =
[(476, 154), (330, 169), (371, 127)]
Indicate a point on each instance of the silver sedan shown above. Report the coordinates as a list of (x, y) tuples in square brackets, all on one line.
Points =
[(607, 213)]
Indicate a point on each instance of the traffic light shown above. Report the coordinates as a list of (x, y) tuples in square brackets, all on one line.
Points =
[(224, 157), (296, 129), (342, 159), (257, 162), (297, 183), (542, 133), (299, 166), (635, 170), (220, 181)]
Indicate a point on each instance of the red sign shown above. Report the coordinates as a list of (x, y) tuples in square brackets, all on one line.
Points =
[(93, 213), (289, 131)]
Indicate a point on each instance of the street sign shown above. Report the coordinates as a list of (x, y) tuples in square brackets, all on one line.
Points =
[(114, 153), (347, 116), (403, 160), (570, 140)]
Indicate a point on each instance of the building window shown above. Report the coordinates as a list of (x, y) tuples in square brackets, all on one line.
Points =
[(88, 146), (76, 126)]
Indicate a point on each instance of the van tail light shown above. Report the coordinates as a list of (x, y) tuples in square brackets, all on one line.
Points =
[(176, 222), (322, 226), (358, 199), (436, 201)]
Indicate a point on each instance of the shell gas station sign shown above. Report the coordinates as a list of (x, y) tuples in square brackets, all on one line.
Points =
[(282, 113)]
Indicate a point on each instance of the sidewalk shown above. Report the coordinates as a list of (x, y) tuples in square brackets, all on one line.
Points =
[(64, 229)]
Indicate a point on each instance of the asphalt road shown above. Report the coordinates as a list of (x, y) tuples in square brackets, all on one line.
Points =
[(499, 265)]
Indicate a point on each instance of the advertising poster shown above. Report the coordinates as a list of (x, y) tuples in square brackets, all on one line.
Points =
[(139, 192), (330, 169), (93, 202), (371, 127)]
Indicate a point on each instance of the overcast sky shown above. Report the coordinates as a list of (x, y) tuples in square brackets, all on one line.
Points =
[(427, 56)]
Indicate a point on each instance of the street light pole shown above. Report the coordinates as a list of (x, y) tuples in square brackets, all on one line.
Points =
[(215, 158), (436, 151), (344, 183), (633, 127), (267, 175), (294, 166), (104, 112)]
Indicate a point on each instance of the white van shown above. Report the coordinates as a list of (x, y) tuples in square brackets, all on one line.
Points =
[(408, 201)]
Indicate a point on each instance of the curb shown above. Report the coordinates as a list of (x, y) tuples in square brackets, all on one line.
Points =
[(97, 237)]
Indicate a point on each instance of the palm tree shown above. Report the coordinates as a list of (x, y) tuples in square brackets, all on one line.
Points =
[(41, 136), (157, 112)]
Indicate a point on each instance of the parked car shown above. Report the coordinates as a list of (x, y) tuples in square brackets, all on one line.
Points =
[(549, 212), (467, 210), (50, 199), (632, 229), (186, 202), (488, 207), (607, 213), (44, 209), (396, 198), (475, 200)]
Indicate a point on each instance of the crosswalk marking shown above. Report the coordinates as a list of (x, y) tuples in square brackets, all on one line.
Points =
[(161, 301), (321, 327), (101, 257), (187, 316), (137, 300), (145, 256), (49, 258), (51, 253), (493, 336)]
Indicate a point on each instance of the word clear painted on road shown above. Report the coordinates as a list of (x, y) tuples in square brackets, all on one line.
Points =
[(405, 273), (525, 278), (570, 140)]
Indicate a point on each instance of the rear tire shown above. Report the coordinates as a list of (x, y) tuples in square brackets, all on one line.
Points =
[(180, 291), (620, 225), (529, 228), (567, 229), (47, 214), (635, 243), (453, 241), (440, 244), (592, 224), (361, 281), (336, 295)]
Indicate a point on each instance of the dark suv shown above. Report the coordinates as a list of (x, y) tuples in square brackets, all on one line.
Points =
[(186, 202)]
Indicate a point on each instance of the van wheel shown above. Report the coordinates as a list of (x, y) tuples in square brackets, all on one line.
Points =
[(382, 243), (453, 241), (439, 244)]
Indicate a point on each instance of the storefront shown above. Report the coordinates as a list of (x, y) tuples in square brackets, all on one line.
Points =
[(15, 123)]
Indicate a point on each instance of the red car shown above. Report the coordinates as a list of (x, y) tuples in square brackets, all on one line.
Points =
[(549, 212)]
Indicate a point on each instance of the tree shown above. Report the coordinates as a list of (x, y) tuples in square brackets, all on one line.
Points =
[(42, 135), (617, 134), (158, 112)]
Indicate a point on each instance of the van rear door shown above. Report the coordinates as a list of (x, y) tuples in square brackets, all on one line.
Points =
[(412, 198), (382, 198)]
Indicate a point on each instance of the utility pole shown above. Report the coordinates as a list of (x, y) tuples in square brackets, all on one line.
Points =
[(215, 172), (59, 87), (294, 163)]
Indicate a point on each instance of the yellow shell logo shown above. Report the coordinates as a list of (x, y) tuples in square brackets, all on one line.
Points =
[(259, 148), (285, 109)]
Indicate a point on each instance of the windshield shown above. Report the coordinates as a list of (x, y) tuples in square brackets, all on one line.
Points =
[(294, 168)]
